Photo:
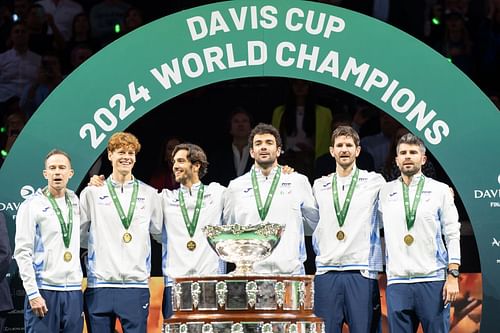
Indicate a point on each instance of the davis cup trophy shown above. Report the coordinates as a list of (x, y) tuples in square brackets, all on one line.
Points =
[(244, 245), (243, 302)]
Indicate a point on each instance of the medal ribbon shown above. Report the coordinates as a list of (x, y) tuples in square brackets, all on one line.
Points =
[(342, 213), (66, 228), (264, 210), (191, 225), (411, 213), (126, 220)]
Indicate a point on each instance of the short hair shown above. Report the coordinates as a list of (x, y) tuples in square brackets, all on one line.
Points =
[(347, 131), (195, 154), (262, 128), (123, 140), (240, 110), (410, 139), (56, 151)]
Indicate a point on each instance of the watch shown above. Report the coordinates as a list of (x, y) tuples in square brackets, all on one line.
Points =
[(454, 272)]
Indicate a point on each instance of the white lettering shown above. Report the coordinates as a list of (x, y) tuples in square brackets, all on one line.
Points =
[(487, 194), (439, 129), (199, 21), (217, 23), (280, 60), (422, 119), (168, 73), (377, 78), (403, 94), (239, 21), (231, 63), (9, 206), (352, 67), (252, 58), (213, 55), (334, 24), (304, 56), (269, 20), (289, 19), (198, 65), (309, 23), (389, 91), (330, 64)]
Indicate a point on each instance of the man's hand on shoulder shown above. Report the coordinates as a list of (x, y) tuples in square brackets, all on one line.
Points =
[(96, 180)]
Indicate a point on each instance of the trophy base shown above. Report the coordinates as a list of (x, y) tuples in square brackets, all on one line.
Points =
[(244, 304)]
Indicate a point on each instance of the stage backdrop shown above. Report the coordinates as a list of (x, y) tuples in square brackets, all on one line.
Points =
[(280, 38)]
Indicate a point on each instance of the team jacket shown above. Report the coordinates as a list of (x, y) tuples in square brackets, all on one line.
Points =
[(40, 247), (293, 203), (178, 260), (427, 258), (111, 262), (360, 249)]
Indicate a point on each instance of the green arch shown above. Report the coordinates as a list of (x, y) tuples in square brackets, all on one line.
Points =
[(351, 52)]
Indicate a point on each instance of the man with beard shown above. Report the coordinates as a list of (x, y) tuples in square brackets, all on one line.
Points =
[(118, 218), (347, 240), (266, 194), (422, 273), (47, 252), (186, 251)]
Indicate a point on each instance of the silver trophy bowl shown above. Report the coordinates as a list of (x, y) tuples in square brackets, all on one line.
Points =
[(244, 245)]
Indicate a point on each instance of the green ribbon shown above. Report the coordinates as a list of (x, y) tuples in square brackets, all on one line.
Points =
[(411, 213), (264, 210), (66, 228), (191, 225), (126, 220), (342, 213)]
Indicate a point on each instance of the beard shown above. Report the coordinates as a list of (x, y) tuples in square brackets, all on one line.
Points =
[(409, 172)]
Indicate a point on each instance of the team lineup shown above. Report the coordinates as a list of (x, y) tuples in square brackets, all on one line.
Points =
[(361, 224)]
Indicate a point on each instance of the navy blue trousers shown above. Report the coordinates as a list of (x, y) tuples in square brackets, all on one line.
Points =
[(105, 305), (409, 304), (347, 297), (65, 313)]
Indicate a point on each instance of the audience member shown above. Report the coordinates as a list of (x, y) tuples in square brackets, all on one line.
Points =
[(107, 19), (134, 18), (304, 126), (38, 24), (49, 77), (18, 65), (79, 54), (163, 176), (63, 12), (377, 145), (231, 161)]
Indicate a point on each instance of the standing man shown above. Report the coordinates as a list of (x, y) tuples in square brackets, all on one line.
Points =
[(186, 251), (266, 194), (422, 274), (231, 160), (347, 241), (117, 219), (47, 252), (5, 259)]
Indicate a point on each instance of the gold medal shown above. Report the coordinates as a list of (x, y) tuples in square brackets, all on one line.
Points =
[(127, 237), (340, 235), (191, 245), (67, 256), (408, 239)]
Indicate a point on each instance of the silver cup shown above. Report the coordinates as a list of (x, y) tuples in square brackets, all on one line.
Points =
[(244, 245)]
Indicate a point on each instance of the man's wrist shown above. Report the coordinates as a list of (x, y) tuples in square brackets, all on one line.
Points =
[(454, 272)]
